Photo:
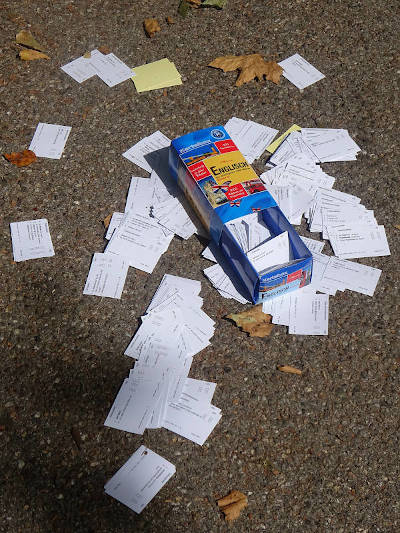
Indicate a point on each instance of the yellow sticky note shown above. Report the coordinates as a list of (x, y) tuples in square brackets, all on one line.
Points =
[(273, 146), (156, 75)]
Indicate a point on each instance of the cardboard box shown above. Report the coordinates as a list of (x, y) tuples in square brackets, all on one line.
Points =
[(222, 186)]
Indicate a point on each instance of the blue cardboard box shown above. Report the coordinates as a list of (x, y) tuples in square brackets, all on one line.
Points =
[(222, 186)]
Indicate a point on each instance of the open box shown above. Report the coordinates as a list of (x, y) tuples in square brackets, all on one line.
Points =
[(221, 186)]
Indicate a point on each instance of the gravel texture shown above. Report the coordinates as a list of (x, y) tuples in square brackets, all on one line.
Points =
[(314, 453)]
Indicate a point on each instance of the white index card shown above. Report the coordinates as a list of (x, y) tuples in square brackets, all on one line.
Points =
[(106, 276), (300, 72), (31, 239), (194, 422), (110, 69), (80, 69), (309, 314), (49, 140), (354, 276), (271, 253), (140, 479)]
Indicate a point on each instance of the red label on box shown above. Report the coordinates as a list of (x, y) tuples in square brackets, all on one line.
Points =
[(294, 275), (236, 191), (226, 146), (199, 171)]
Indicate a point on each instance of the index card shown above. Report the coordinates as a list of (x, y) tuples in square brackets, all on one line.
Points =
[(309, 314), (300, 72), (114, 223), (354, 276), (194, 422), (49, 140), (140, 195), (197, 391), (312, 244), (271, 253), (356, 241), (273, 146), (250, 137), (140, 479), (106, 276), (31, 239), (80, 69), (110, 69), (173, 216), (138, 152), (140, 240)]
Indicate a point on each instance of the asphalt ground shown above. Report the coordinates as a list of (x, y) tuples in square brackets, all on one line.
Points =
[(316, 452)]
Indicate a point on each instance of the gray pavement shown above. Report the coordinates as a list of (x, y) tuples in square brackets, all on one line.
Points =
[(314, 453)]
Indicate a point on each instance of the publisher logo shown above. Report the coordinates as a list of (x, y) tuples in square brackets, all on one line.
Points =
[(217, 134)]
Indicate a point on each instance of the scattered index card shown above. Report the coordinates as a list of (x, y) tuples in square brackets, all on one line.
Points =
[(156, 75), (110, 69), (140, 479), (106, 276), (81, 69), (31, 239), (299, 71), (49, 140)]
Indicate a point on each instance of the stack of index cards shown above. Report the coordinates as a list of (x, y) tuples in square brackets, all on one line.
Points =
[(158, 392), (140, 479), (155, 211), (156, 75), (107, 67)]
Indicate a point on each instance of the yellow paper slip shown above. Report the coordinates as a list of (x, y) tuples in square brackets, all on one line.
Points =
[(156, 75), (273, 146)]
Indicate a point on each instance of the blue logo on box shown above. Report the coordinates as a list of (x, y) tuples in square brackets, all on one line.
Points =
[(217, 134)]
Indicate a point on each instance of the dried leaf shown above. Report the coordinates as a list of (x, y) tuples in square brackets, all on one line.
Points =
[(104, 50), (183, 8), (194, 3), (30, 55), (218, 4), (21, 159), (232, 504), (290, 369), (87, 55), (250, 66), (170, 20), (25, 38), (107, 221), (253, 321), (151, 27), (77, 437), (397, 226)]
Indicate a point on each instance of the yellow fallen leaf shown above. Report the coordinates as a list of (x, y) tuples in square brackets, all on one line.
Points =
[(25, 38), (151, 27), (30, 55), (253, 321), (21, 159), (107, 221), (232, 504), (87, 55), (290, 369), (170, 20), (250, 66), (397, 226)]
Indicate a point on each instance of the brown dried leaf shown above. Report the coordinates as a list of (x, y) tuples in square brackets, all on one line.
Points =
[(232, 504), (170, 20), (397, 226), (30, 55), (194, 3), (87, 55), (250, 66), (104, 50), (290, 369), (21, 159), (151, 27), (253, 321), (107, 221), (25, 38), (77, 437)]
